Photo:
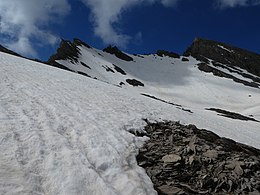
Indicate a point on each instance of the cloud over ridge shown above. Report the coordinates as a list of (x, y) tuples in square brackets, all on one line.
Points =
[(23, 20)]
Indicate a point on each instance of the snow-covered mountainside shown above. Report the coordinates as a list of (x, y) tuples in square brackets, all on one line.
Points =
[(190, 83), (65, 133)]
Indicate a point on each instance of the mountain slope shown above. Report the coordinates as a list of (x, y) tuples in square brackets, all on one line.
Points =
[(64, 133), (185, 81)]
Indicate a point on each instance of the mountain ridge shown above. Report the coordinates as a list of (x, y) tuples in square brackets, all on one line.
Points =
[(214, 57)]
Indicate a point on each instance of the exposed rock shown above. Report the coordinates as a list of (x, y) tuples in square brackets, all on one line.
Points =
[(84, 74), (80, 43), (225, 54), (169, 190), (108, 69), (232, 115), (67, 51), (134, 82), (114, 50), (83, 64), (167, 53), (206, 68), (120, 70), (212, 154), (178, 106), (161, 100), (184, 59), (186, 160), (171, 158)]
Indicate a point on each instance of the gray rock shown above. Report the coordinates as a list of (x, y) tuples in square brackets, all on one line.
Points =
[(171, 158), (169, 190)]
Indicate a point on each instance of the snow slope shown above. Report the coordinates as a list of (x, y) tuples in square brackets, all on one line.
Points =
[(63, 133), (171, 79)]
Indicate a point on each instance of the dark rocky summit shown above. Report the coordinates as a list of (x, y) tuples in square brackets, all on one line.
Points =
[(115, 51), (202, 49), (185, 160), (67, 51)]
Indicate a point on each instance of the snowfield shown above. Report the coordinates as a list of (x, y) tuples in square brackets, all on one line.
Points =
[(63, 133)]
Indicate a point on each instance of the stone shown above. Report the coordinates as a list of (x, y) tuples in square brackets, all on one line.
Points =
[(212, 154), (238, 170), (171, 158), (169, 190)]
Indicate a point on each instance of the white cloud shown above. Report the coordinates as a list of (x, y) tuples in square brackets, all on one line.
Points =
[(234, 3), (169, 3), (106, 14), (23, 20)]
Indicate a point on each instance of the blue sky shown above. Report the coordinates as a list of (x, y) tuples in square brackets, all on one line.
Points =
[(34, 27)]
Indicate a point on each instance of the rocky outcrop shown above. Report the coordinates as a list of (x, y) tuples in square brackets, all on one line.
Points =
[(66, 51), (120, 70), (232, 115), (115, 51), (225, 54), (185, 160), (184, 59), (162, 53), (134, 82), (206, 68)]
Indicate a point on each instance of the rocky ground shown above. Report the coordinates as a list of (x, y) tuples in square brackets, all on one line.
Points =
[(186, 160)]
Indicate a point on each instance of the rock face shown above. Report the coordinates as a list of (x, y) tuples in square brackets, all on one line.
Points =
[(167, 53), (185, 160), (254, 83), (225, 54), (232, 115), (134, 82), (114, 50), (67, 51)]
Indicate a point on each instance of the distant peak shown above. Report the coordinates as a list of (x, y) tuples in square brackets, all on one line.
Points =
[(80, 43), (204, 49)]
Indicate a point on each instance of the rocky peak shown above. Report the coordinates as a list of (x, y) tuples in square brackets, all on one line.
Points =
[(68, 51), (80, 43), (115, 51), (202, 49)]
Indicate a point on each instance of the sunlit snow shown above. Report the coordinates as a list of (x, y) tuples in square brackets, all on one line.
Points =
[(63, 133)]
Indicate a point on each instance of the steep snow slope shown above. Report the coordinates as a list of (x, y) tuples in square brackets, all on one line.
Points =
[(63, 133)]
